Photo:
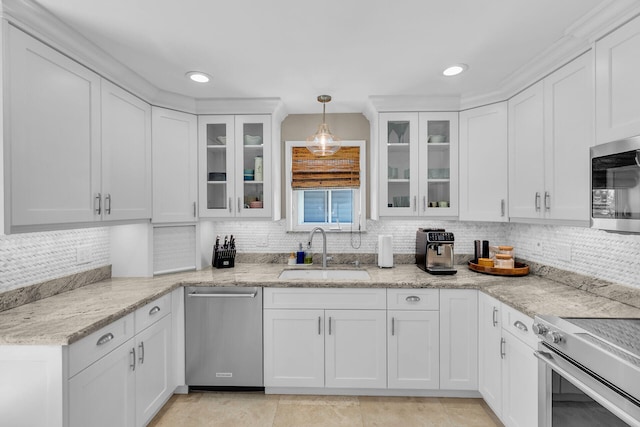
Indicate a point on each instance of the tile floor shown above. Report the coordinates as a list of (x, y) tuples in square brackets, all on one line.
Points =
[(257, 409)]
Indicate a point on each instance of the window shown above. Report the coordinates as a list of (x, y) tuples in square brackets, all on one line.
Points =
[(325, 191)]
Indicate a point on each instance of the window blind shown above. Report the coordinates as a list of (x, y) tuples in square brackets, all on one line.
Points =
[(340, 170)]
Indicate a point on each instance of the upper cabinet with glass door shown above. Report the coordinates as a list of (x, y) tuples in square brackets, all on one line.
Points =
[(235, 162), (418, 164)]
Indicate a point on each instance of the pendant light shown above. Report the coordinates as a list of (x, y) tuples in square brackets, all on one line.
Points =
[(323, 142)]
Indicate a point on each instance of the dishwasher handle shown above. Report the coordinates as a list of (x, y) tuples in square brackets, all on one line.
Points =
[(223, 295)]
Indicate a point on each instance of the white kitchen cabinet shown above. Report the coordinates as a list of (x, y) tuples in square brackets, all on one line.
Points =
[(54, 135), (413, 349), (293, 348), (520, 383), (333, 338), (489, 351), (103, 395), (126, 155), (175, 165), (458, 339), (235, 166), (526, 152), (484, 163), (356, 349), (154, 373), (418, 164), (80, 147), (550, 127), (617, 83)]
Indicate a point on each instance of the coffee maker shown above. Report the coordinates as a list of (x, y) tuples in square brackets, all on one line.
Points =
[(434, 250)]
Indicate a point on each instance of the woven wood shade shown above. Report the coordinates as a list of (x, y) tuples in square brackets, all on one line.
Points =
[(340, 170)]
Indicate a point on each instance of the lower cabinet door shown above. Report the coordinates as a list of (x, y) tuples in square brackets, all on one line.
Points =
[(520, 384), (489, 351), (356, 348), (458, 339), (153, 370), (294, 348), (103, 395), (413, 349)]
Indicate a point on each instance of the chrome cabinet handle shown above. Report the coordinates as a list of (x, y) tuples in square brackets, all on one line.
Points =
[(502, 343), (132, 365), (415, 203), (424, 203), (230, 204), (194, 209), (319, 325), (105, 339), (537, 203), (412, 298), (98, 198), (329, 325), (107, 207), (502, 207), (239, 205), (547, 200), (495, 317), (154, 310), (141, 347), (393, 326), (518, 324)]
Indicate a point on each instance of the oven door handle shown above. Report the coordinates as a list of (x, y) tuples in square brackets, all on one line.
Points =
[(548, 359)]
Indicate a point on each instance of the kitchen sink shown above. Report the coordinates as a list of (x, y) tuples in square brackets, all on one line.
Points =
[(324, 274)]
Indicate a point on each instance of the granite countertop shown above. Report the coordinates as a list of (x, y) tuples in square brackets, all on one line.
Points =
[(67, 317)]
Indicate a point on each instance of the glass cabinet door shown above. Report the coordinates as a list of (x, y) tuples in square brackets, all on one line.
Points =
[(398, 137), (218, 165), (254, 134), (439, 155)]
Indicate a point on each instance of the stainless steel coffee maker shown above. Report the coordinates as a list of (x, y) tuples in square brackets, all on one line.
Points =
[(434, 250)]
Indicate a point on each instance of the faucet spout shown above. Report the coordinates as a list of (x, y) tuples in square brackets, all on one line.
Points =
[(324, 244)]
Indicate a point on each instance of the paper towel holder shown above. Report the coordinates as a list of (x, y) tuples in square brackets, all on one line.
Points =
[(385, 251)]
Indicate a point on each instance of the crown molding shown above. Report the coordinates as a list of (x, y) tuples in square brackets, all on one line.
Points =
[(414, 103), (239, 106)]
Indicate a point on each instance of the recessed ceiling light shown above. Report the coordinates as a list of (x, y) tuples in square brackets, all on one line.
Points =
[(199, 77), (454, 70)]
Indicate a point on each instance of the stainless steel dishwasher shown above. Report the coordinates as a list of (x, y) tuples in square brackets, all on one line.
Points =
[(223, 337)]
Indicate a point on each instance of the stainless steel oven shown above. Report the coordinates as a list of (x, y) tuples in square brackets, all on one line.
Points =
[(615, 185), (589, 371)]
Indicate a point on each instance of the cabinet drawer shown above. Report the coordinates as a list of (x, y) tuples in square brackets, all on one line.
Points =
[(519, 325), (334, 298), (98, 344), (152, 312), (413, 299)]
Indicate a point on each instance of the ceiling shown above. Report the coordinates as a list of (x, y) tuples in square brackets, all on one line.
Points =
[(296, 49)]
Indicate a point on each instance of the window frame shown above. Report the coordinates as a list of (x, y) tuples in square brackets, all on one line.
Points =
[(359, 197)]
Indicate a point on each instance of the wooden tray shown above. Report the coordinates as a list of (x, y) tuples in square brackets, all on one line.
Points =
[(520, 269)]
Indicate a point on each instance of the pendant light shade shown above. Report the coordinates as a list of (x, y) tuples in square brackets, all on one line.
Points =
[(323, 142)]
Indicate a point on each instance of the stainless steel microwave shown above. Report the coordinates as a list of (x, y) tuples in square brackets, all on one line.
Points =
[(615, 185)]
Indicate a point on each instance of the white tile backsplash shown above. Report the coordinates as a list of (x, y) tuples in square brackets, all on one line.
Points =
[(30, 258)]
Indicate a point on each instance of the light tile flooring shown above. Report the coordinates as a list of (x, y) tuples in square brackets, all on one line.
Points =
[(257, 409)]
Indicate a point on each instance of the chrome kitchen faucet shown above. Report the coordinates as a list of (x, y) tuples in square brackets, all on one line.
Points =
[(324, 244)]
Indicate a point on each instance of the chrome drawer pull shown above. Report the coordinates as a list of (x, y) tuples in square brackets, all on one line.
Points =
[(105, 339), (413, 298), (518, 324), (154, 310), (495, 317)]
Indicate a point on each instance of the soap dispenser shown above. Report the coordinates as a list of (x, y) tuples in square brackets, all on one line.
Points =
[(300, 254)]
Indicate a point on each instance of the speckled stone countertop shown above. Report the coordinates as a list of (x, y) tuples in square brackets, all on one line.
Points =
[(67, 317)]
